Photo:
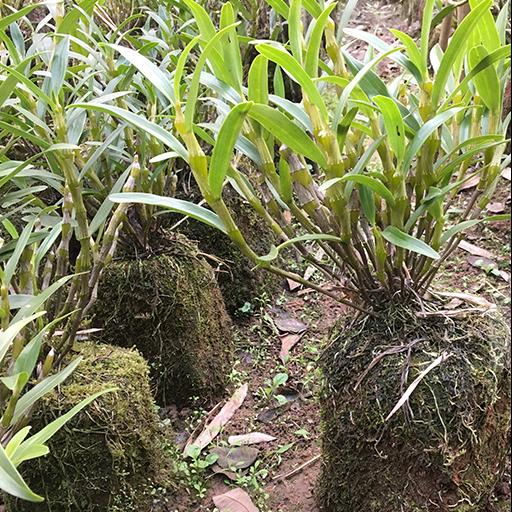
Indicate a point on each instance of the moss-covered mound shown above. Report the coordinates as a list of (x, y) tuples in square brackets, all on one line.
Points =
[(239, 281), (170, 308), (109, 458), (445, 449)]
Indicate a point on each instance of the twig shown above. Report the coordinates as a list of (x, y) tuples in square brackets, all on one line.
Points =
[(297, 470)]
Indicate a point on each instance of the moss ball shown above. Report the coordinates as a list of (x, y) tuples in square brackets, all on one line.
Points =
[(170, 308), (447, 447), (109, 458)]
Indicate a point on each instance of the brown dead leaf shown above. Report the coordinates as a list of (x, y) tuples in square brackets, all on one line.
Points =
[(471, 183), (454, 303), (505, 276), (475, 300), (288, 341), (252, 438), (475, 250), (236, 500), (506, 173), (211, 431), (293, 285), (232, 475), (496, 207), (286, 323), (236, 457)]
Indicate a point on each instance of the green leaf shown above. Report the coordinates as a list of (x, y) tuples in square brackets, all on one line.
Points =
[(297, 72), (315, 41), (224, 145), (394, 124), (396, 237), (361, 74), (412, 50), (257, 85), (38, 300), (7, 336), (467, 224), (175, 205), (373, 184), (486, 82), (140, 123), (424, 133), (21, 244), (279, 125), (455, 48), (152, 72), (462, 226), (295, 29), (348, 10), (380, 45), (486, 29), (11, 481), (278, 83), (5, 21), (23, 452), (280, 7), (41, 389), (232, 56), (107, 205), (59, 66), (193, 89), (428, 11), (367, 204), (204, 23), (496, 56)]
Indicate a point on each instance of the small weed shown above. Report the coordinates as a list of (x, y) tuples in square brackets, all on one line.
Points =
[(192, 468)]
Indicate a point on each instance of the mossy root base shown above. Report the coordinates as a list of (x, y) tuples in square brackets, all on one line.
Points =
[(447, 448), (170, 308), (110, 456)]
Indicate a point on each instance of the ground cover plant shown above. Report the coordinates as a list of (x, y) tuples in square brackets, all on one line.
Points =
[(365, 158)]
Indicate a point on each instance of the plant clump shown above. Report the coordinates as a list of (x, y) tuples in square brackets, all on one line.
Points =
[(109, 458), (168, 305), (446, 448)]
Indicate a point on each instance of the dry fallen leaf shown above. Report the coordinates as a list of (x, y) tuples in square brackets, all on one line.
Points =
[(285, 323), (236, 500), (441, 359), (236, 457), (467, 297), (454, 303), (506, 173), (252, 438), (288, 341), (212, 430), (293, 285), (471, 183), (496, 207), (232, 475), (475, 250)]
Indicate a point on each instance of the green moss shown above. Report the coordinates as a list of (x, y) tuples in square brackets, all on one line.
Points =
[(170, 308), (109, 457), (450, 447)]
